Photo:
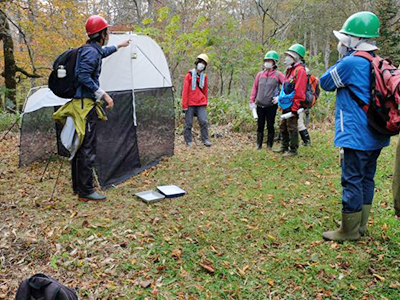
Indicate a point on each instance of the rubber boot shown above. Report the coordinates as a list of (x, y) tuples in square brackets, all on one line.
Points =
[(305, 137), (207, 143), (348, 231), (366, 209), (364, 219), (92, 197), (285, 140), (282, 149), (289, 154), (260, 137)]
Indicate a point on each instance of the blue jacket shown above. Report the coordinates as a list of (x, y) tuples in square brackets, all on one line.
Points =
[(351, 124), (88, 68)]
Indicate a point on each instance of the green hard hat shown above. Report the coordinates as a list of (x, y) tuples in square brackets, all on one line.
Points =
[(364, 24), (272, 55), (299, 49)]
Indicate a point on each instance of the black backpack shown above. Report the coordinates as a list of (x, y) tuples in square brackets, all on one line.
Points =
[(42, 287), (62, 78)]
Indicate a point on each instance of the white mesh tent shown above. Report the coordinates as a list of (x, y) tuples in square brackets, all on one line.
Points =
[(140, 128)]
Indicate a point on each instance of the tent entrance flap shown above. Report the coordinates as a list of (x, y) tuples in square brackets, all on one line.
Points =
[(117, 150)]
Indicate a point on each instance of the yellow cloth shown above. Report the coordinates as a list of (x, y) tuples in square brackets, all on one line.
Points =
[(78, 112)]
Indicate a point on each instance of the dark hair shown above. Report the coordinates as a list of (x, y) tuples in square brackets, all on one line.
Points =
[(198, 60), (96, 37)]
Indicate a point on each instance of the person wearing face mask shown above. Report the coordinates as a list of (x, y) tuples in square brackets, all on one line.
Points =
[(351, 76), (264, 97), (291, 98), (195, 99), (85, 108)]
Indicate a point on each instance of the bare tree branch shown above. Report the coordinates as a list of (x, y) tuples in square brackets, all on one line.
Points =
[(25, 40)]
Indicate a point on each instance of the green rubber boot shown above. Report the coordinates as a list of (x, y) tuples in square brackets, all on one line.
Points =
[(366, 209), (348, 231)]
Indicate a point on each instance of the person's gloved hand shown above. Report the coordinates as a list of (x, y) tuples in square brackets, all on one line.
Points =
[(294, 112), (252, 106), (275, 100)]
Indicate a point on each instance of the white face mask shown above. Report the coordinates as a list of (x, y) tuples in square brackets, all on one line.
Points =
[(201, 66), (268, 65), (342, 49), (289, 60)]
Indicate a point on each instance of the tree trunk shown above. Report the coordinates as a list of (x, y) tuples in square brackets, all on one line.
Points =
[(150, 11), (221, 91), (327, 52), (230, 82), (138, 11), (10, 68)]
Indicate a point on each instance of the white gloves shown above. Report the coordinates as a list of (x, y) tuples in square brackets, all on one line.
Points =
[(252, 106), (275, 100)]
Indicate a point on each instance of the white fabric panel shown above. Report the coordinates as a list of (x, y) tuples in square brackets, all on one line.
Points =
[(148, 68), (116, 71), (43, 98)]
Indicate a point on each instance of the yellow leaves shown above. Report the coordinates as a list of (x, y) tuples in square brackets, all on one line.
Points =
[(271, 237), (379, 277), (242, 272)]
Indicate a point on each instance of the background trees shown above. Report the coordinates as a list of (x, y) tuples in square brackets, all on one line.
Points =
[(236, 34)]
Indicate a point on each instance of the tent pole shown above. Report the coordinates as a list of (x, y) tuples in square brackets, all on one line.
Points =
[(55, 184), (4, 136), (45, 168)]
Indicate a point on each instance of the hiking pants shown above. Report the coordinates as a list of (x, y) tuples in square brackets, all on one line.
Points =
[(358, 171), (301, 125), (201, 113), (396, 181), (83, 161), (290, 135), (266, 113)]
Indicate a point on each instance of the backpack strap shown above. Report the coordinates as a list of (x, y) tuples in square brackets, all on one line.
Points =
[(361, 103), (363, 54)]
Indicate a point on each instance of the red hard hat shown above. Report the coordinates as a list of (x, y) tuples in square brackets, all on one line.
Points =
[(95, 24)]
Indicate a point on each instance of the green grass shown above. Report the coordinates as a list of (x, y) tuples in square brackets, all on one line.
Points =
[(255, 218)]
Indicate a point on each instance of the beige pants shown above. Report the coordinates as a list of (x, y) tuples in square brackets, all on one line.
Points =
[(396, 181)]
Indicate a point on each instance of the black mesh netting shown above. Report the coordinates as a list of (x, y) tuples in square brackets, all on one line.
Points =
[(156, 124), (123, 150), (117, 151), (37, 140)]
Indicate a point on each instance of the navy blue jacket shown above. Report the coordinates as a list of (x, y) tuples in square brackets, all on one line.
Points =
[(351, 124), (88, 68)]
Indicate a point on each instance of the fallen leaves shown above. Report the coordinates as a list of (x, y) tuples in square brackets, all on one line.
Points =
[(207, 265)]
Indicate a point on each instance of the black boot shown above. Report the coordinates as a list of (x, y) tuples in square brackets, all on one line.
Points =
[(260, 137), (305, 137)]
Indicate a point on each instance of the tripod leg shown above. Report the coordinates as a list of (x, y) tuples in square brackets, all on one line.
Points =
[(55, 184), (45, 168)]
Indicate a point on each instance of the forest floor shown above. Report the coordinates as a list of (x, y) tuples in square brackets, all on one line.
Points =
[(249, 227)]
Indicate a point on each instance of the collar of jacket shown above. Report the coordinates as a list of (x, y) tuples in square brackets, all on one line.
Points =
[(97, 47), (292, 68)]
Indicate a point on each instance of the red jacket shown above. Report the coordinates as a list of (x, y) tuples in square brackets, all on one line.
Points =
[(298, 75), (196, 97)]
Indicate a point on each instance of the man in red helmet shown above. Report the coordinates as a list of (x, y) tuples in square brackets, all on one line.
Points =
[(84, 107)]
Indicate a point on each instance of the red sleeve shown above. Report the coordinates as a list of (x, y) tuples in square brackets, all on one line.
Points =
[(281, 77), (255, 88), (300, 87), (205, 88), (187, 82)]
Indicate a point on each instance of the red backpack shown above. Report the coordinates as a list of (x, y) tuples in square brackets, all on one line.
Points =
[(383, 111)]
